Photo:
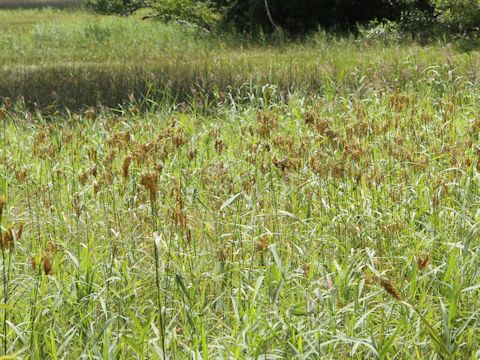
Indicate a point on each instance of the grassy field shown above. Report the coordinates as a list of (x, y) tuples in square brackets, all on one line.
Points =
[(39, 4), (34, 4), (77, 59), (304, 200)]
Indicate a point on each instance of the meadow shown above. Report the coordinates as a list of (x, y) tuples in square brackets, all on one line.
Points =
[(77, 59), (316, 199), (36, 4)]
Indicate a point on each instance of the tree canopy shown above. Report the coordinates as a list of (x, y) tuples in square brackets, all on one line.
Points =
[(302, 16)]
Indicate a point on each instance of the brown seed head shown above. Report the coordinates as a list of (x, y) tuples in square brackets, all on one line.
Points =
[(322, 126), (107, 177), (126, 166), (77, 205), (96, 187), (126, 137), (3, 112), (67, 137), (83, 177), (148, 147), (90, 114), (21, 175), (94, 170), (11, 236), (281, 164), (220, 145), (51, 248), (159, 167), (8, 240), (222, 255), (139, 155), (306, 269), (50, 150), (423, 261), (150, 182), (192, 153), (19, 231), (2, 205), (179, 217), (267, 122), (389, 287), (47, 264), (309, 118), (92, 154), (179, 139), (109, 159), (262, 244), (33, 262)]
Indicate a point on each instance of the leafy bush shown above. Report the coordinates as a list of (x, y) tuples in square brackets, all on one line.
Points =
[(376, 31), (200, 13), (459, 14), (123, 7)]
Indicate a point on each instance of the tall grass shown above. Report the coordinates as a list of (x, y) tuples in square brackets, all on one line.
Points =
[(317, 227)]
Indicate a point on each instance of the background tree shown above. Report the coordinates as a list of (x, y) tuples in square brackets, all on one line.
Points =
[(305, 15), (463, 15)]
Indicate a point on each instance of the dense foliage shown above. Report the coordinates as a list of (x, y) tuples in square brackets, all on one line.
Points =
[(459, 14), (304, 15), (194, 12), (123, 7)]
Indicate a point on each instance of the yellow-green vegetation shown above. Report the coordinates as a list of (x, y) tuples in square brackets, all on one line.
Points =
[(330, 214), (327, 227)]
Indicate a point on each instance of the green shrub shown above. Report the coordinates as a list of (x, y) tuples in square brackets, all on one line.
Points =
[(199, 13), (123, 7), (459, 14), (384, 32)]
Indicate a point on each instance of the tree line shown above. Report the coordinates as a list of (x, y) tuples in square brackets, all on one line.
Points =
[(302, 16)]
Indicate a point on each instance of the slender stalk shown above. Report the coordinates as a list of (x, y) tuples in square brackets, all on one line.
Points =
[(161, 321), (5, 298)]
